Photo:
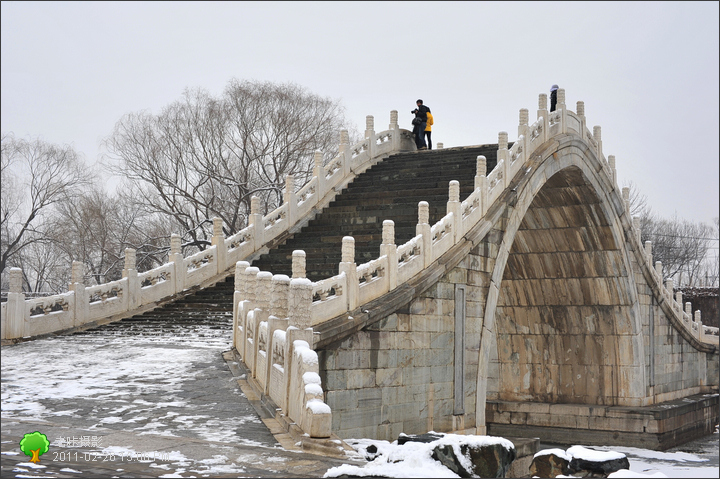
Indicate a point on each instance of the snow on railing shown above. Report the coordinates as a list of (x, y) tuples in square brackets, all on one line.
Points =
[(180, 274), (272, 334)]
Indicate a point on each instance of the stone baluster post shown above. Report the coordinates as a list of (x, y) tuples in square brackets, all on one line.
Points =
[(261, 313), (454, 207), (298, 264), (393, 120), (290, 200), (239, 306), (389, 248), (15, 308), (297, 292), (256, 220), (77, 273), (279, 290), (699, 324), (130, 260), (274, 323), (133, 284), (502, 155), (344, 152), (659, 270), (319, 173), (560, 99), (278, 319), (648, 251), (299, 303), (439, 146), (263, 291), (524, 119), (562, 109), (688, 309), (77, 285), (679, 300), (250, 289), (580, 110), (423, 228), (218, 240), (394, 128), (370, 135), (178, 261), (669, 287), (543, 113), (597, 135), (626, 199), (612, 170), (542, 105), (250, 292), (348, 266), (636, 227), (481, 182)]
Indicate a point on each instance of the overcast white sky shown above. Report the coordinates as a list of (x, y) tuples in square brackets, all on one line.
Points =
[(647, 71)]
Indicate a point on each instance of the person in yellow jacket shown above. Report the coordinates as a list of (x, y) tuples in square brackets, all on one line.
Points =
[(428, 129)]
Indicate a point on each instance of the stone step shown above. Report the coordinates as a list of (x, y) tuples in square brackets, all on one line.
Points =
[(211, 307), (391, 189)]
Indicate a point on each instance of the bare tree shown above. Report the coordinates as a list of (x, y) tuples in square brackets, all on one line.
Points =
[(203, 157), (96, 227), (45, 267), (682, 246), (35, 176)]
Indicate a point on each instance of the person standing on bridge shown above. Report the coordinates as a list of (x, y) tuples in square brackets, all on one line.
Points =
[(553, 97), (428, 130), (420, 123)]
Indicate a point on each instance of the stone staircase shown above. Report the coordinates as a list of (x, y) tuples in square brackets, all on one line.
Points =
[(199, 315), (390, 190)]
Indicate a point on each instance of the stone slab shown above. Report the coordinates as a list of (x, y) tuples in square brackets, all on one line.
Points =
[(658, 427)]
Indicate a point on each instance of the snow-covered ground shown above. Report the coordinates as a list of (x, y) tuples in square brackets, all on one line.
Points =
[(150, 384)]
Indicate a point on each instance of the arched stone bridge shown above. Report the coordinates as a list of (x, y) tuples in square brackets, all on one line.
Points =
[(530, 308)]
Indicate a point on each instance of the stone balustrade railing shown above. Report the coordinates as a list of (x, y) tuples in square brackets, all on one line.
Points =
[(311, 304), (125, 297)]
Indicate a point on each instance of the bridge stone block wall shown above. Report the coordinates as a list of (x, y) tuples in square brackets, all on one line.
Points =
[(564, 320), (673, 367), (416, 370)]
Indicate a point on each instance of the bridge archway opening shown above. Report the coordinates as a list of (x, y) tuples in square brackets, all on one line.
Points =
[(564, 313)]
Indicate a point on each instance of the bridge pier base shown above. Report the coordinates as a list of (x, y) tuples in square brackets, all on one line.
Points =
[(658, 427)]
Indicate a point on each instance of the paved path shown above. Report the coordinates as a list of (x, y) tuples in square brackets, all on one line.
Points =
[(134, 399)]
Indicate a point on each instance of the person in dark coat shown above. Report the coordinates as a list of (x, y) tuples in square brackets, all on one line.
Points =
[(419, 129), (553, 97)]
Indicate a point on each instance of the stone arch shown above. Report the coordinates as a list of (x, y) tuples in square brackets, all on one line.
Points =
[(562, 300)]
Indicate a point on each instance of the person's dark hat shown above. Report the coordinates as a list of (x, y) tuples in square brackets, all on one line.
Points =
[(419, 101)]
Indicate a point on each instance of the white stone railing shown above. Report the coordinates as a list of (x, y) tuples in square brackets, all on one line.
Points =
[(279, 355), (691, 322), (81, 305)]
